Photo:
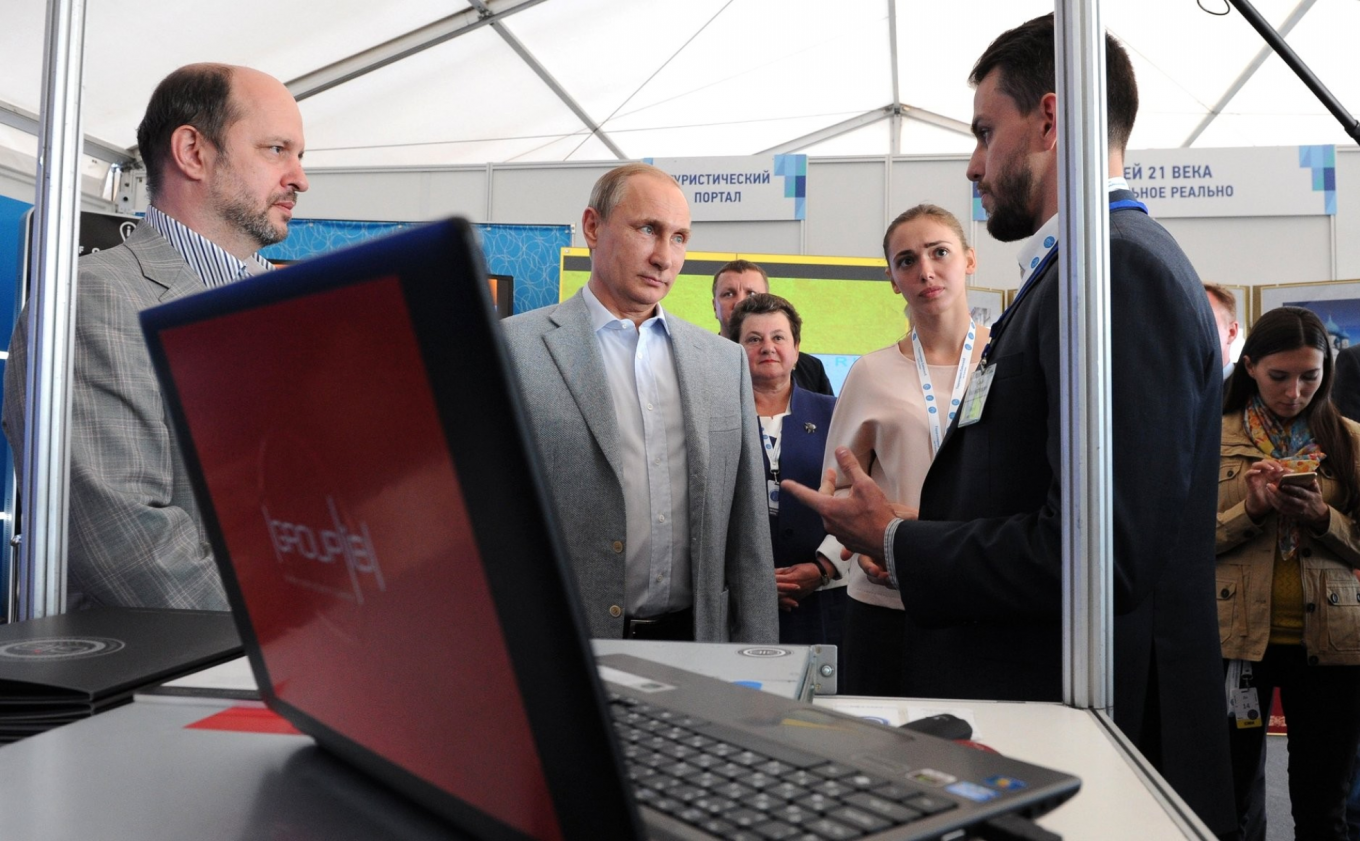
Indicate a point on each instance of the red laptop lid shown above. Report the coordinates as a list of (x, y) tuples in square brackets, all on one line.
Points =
[(341, 509)]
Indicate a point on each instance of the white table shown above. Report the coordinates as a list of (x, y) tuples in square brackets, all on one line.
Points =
[(1120, 799)]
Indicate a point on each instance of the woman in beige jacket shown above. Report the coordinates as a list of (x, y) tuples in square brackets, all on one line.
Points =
[(1288, 601)]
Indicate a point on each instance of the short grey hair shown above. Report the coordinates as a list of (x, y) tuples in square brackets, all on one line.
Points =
[(608, 191)]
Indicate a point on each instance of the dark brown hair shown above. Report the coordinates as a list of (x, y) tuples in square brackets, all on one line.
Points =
[(198, 95), (1024, 55), (763, 303)]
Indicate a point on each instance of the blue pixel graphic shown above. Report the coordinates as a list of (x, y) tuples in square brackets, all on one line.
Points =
[(1321, 160)]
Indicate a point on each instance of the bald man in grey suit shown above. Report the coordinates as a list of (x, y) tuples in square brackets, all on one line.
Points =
[(647, 429), (223, 148)]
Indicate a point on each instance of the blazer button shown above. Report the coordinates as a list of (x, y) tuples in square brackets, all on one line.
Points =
[(1224, 593), (1231, 473), (1333, 598), (1311, 607), (615, 611), (617, 546)]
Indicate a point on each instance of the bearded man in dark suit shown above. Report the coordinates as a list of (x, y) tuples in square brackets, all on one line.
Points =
[(980, 571)]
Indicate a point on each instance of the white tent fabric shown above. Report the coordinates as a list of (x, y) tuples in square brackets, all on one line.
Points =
[(664, 78)]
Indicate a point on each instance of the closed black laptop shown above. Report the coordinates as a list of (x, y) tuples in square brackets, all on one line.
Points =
[(354, 431)]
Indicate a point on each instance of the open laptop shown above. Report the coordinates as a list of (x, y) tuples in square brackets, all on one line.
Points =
[(356, 440)]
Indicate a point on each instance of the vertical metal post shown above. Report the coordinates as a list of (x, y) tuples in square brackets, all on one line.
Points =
[(1084, 327), (42, 555)]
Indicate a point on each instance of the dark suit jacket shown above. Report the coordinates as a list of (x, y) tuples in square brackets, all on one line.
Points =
[(799, 531), (1346, 385), (981, 571), (810, 375)]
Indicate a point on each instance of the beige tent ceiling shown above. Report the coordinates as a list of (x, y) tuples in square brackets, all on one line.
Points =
[(439, 82)]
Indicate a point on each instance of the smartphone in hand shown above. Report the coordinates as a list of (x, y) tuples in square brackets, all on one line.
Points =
[(1299, 480)]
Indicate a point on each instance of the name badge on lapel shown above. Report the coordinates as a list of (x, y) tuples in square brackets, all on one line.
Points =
[(976, 396)]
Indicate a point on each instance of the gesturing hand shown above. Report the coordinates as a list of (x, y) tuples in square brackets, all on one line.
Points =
[(857, 520)]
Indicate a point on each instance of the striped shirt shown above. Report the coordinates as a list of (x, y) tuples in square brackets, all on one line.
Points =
[(214, 266)]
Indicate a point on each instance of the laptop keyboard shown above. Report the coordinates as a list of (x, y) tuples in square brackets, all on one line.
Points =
[(697, 773)]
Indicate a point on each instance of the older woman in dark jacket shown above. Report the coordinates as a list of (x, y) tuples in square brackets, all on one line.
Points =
[(793, 424)]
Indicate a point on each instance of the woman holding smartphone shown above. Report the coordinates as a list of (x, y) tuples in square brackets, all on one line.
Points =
[(893, 411), (1288, 601)]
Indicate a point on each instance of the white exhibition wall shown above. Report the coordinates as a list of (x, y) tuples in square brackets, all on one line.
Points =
[(847, 210)]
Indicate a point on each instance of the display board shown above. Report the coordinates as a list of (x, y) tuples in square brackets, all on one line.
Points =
[(1336, 302), (1240, 181), (755, 187), (846, 303), (528, 253), (13, 266)]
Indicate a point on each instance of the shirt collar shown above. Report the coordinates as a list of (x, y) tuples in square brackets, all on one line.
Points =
[(601, 317), (1034, 250), (209, 261), (1046, 238)]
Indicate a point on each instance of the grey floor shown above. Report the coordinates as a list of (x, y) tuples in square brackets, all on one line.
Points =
[(1279, 822)]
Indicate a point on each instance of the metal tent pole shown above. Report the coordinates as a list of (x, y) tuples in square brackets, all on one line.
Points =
[(42, 551), (1084, 329)]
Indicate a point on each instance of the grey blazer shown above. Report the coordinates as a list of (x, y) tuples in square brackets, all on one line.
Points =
[(136, 538), (563, 381)]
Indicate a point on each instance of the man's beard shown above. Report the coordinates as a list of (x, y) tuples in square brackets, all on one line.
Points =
[(256, 223), (237, 208), (1011, 218)]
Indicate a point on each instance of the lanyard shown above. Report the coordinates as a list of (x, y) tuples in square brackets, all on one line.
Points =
[(773, 446), (928, 388), (1000, 324)]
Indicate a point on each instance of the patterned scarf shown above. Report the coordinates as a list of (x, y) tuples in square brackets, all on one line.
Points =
[(1292, 445)]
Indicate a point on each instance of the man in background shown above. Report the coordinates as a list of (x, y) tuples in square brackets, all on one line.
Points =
[(223, 150), (1224, 304), (739, 280), (648, 433)]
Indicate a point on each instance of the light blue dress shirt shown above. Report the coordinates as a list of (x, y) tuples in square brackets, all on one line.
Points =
[(640, 368)]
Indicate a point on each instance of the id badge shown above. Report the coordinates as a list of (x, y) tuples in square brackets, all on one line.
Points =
[(976, 396), (1246, 707), (772, 496)]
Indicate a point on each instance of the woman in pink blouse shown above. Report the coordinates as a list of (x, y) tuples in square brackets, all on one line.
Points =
[(893, 411)]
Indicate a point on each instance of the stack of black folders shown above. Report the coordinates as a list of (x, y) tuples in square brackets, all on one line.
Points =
[(60, 669)]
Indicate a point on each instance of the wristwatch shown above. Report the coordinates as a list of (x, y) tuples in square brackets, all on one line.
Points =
[(826, 579)]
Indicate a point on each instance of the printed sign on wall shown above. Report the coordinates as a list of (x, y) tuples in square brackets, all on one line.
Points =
[(1247, 181), (739, 189)]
